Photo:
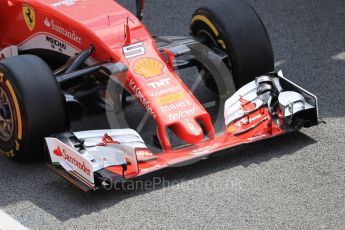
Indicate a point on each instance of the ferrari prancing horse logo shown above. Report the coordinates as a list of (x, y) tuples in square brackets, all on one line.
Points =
[(29, 17)]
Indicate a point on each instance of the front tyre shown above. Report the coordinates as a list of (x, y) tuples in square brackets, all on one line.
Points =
[(31, 107), (234, 27)]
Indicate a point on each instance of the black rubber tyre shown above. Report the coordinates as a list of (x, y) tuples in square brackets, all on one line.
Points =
[(234, 27), (36, 106)]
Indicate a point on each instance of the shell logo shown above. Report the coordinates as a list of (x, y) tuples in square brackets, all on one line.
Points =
[(148, 67)]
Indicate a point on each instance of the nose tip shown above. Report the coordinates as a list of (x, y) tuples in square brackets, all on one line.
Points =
[(189, 130)]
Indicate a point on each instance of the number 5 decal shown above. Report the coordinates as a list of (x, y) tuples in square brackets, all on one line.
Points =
[(134, 50)]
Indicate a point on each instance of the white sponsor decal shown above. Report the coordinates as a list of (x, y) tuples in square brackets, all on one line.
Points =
[(196, 130), (56, 44), (181, 114), (153, 168), (160, 83), (134, 50), (138, 94), (176, 106), (75, 162), (203, 150), (50, 42), (71, 34), (254, 138), (63, 2), (245, 120), (69, 159), (166, 91)]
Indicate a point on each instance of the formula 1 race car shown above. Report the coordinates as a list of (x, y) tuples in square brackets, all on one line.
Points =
[(60, 58)]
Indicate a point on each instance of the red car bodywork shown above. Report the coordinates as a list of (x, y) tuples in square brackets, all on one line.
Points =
[(114, 31)]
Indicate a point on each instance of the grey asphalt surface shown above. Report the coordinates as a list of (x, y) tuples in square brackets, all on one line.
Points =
[(293, 182)]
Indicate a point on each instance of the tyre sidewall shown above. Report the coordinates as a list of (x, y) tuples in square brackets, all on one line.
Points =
[(14, 145), (244, 35), (41, 104)]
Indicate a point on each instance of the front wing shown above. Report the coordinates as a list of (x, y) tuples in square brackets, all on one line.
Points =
[(268, 107)]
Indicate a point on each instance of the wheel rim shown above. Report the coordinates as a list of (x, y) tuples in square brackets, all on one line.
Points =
[(207, 38), (6, 117)]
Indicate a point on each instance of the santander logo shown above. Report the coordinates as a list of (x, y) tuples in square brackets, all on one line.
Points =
[(71, 159), (71, 34), (46, 22), (58, 152)]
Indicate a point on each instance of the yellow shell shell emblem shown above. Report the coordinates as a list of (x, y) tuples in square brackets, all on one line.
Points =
[(148, 67), (29, 17)]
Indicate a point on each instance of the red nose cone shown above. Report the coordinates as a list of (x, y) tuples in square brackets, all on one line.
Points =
[(189, 130)]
